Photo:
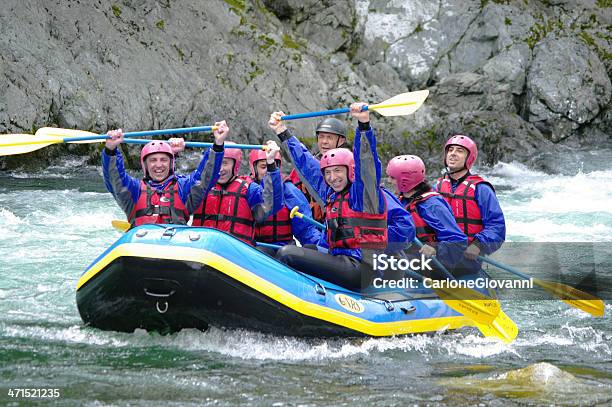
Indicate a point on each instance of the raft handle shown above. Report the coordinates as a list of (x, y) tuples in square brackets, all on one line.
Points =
[(165, 308), (169, 232), (159, 295), (389, 305), (319, 289), (408, 310)]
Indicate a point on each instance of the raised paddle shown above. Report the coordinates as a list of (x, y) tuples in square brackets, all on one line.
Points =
[(93, 138), (471, 303), (11, 144), (570, 295), (399, 105)]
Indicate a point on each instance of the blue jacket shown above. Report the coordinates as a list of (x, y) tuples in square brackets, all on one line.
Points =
[(191, 188), (365, 193), (438, 215), (399, 224)]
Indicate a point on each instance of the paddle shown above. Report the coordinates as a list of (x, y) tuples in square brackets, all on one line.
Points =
[(399, 105), (570, 295), (481, 309), (121, 225), (11, 144)]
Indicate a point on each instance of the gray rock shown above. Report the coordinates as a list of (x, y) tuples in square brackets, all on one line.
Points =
[(567, 86), (466, 92)]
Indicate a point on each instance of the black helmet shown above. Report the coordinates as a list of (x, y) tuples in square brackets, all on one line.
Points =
[(332, 125)]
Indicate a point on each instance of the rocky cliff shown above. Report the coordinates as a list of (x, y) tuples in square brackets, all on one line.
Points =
[(520, 76)]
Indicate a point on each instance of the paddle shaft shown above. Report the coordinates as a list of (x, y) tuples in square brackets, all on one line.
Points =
[(504, 267), (195, 144), (341, 111), (145, 133), (436, 262)]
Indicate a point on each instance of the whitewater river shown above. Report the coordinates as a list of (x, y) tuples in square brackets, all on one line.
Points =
[(53, 223)]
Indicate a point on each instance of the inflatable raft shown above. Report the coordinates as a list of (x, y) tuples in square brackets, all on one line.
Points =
[(165, 278)]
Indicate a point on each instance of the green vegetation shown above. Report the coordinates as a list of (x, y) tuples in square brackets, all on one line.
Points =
[(604, 3), (254, 73), (236, 5), (160, 24), (266, 42), (179, 51), (116, 10), (507, 21), (289, 42), (418, 28)]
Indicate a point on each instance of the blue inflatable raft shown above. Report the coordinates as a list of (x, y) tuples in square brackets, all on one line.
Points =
[(165, 278)]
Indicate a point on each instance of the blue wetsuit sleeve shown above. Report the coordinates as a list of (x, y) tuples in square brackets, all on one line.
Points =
[(307, 166), (399, 223), (305, 232), (451, 244), (366, 195), (124, 188), (266, 200), (494, 233)]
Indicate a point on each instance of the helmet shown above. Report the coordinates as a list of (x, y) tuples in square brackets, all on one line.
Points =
[(332, 125), (156, 147), (465, 142), (339, 156), (235, 154), (408, 170), (256, 155)]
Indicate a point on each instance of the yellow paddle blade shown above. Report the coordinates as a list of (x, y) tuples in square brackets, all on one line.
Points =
[(574, 297), (121, 225), (11, 144), (402, 104), (471, 303), (61, 133), (502, 328)]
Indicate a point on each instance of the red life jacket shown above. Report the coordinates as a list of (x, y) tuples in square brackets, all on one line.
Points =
[(276, 228), (348, 229), (317, 212), (155, 206), (423, 231), (227, 209), (463, 203)]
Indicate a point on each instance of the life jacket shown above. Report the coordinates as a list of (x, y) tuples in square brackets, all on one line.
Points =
[(159, 206), (275, 228), (424, 232), (226, 208), (317, 212), (463, 203), (349, 229)]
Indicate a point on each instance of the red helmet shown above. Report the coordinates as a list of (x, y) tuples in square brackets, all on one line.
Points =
[(339, 156), (233, 153), (256, 155), (465, 142), (156, 147), (408, 170)]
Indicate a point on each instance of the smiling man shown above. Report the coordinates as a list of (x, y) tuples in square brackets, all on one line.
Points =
[(472, 200), (161, 196)]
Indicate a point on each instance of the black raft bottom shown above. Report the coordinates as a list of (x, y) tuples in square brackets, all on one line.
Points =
[(169, 295)]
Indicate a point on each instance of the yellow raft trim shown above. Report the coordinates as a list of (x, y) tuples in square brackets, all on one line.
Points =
[(272, 291)]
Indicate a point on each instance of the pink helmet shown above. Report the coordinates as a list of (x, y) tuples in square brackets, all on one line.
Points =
[(256, 155), (235, 154), (408, 170), (156, 147), (465, 142), (339, 156)]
